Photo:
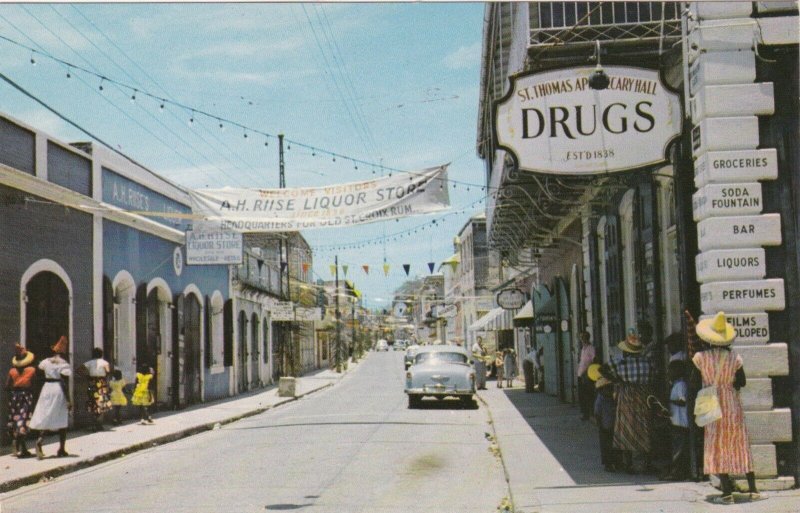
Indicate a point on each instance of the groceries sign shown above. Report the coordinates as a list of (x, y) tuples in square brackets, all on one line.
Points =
[(553, 122)]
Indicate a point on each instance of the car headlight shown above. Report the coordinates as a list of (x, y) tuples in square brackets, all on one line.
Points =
[(408, 375)]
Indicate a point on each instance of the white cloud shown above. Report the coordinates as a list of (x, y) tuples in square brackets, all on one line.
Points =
[(464, 58)]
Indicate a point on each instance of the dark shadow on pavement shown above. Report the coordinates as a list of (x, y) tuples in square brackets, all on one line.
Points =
[(572, 441)]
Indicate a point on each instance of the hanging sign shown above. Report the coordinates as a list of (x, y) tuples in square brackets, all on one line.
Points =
[(335, 206), (282, 311), (214, 247), (552, 122), (511, 299), (302, 313), (445, 311)]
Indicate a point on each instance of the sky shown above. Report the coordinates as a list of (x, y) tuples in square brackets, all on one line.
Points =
[(393, 84)]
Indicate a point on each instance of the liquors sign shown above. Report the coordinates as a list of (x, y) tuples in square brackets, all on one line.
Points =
[(553, 122)]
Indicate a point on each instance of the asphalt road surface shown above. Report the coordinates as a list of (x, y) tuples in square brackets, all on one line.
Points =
[(352, 448)]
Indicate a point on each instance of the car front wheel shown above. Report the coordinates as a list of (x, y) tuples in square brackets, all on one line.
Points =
[(466, 401), (413, 400)]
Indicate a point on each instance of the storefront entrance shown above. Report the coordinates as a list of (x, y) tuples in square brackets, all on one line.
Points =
[(46, 312)]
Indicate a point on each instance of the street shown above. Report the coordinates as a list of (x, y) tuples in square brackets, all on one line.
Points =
[(351, 448)]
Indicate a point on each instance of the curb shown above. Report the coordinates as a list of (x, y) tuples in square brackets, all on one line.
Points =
[(506, 475), (161, 440)]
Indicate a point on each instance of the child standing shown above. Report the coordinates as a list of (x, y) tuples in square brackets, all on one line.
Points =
[(679, 418), (118, 399), (509, 366), (498, 368), (142, 396), (605, 412)]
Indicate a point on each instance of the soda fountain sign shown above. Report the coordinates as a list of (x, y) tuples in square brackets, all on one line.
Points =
[(553, 122)]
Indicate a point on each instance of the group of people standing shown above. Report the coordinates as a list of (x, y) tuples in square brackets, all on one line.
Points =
[(105, 389), (626, 398), (505, 365)]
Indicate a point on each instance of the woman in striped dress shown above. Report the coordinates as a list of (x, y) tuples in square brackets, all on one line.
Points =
[(726, 444)]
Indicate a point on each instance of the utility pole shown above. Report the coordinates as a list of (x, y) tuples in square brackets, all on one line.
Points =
[(287, 337), (338, 319)]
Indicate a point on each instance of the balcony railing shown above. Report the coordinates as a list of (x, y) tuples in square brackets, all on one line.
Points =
[(558, 23)]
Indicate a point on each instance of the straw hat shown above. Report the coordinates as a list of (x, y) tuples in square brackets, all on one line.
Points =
[(22, 357), (601, 382), (632, 343), (716, 331), (593, 371), (62, 346)]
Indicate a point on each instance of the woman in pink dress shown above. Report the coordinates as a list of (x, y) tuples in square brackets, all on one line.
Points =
[(726, 444)]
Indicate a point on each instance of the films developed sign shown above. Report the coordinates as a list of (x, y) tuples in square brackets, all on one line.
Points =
[(335, 206), (213, 247), (552, 122)]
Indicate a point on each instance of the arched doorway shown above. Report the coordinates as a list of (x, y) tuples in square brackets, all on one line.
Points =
[(255, 375), (46, 312), (242, 349), (124, 346), (154, 348), (192, 318)]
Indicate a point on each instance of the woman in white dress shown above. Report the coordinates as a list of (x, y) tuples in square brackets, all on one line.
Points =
[(52, 408)]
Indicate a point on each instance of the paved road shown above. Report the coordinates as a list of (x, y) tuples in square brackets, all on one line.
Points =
[(352, 448)]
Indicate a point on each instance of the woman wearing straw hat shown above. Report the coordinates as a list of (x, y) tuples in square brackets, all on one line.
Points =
[(633, 374), (20, 398), (726, 444), (52, 408)]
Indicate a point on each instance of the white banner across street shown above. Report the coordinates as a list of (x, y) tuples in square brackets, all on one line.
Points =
[(335, 206)]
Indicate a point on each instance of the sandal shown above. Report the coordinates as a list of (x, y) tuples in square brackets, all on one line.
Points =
[(39, 451), (724, 499)]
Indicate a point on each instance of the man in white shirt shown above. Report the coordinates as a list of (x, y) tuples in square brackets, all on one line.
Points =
[(478, 359)]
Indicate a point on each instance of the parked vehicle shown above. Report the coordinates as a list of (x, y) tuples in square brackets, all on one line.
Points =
[(411, 353), (440, 371), (382, 345)]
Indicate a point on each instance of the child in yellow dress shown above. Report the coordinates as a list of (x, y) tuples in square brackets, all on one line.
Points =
[(142, 396), (118, 399)]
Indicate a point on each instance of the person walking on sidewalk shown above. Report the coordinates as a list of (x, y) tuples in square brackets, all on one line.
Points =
[(586, 387), (479, 357), (142, 396), (52, 408), (117, 397), (20, 399), (97, 400), (509, 366), (498, 368), (633, 375), (726, 448)]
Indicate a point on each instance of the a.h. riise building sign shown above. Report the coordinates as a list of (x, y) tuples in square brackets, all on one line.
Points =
[(553, 122)]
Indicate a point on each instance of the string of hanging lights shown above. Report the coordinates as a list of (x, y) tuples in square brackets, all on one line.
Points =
[(195, 114)]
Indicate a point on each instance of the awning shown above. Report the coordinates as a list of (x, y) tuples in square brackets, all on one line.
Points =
[(481, 324), (525, 316)]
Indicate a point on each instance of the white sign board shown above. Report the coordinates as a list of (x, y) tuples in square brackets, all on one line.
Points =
[(282, 311), (731, 264), (307, 314), (213, 247), (722, 68), (736, 166), (511, 299), (727, 200), (552, 122), (739, 232), (751, 328), (336, 206), (742, 296)]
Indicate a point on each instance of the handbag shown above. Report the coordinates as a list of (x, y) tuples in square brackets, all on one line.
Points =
[(706, 405)]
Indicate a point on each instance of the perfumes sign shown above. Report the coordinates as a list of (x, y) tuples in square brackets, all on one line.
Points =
[(553, 122)]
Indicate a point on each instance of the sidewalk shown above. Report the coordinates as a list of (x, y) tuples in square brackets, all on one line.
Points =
[(552, 464), (87, 449)]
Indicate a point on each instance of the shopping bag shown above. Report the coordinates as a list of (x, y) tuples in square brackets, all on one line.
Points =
[(706, 406)]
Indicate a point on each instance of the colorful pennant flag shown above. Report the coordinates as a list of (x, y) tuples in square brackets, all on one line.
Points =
[(386, 269), (406, 268), (345, 268), (366, 269), (333, 270), (431, 265)]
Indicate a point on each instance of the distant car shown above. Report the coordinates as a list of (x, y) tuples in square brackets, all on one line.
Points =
[(382, 345), (440, 371), (411, 353)]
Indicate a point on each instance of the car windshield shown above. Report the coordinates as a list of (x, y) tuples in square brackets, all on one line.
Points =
[(441, 357)]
